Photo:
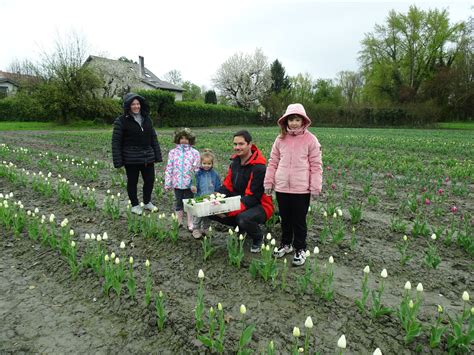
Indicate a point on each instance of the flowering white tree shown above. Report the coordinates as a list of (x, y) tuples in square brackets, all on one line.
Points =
[(244, 79)]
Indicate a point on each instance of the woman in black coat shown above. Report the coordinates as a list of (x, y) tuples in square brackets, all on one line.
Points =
[(135, 146)]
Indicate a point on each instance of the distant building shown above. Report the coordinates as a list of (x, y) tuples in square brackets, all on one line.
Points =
[(10, 83), (121, 77)]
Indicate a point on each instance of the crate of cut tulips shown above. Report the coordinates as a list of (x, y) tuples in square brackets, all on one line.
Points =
[(208, 205)]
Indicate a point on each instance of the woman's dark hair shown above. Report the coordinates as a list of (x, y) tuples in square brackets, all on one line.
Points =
[(245, 134)]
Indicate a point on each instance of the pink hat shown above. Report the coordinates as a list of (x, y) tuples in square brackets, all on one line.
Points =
[(295, 109)]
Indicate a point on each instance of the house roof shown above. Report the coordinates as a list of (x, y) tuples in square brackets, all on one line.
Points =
[(7, 80), (149, 78)]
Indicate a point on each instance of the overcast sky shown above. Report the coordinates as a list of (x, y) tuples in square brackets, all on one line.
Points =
[(197, 36)]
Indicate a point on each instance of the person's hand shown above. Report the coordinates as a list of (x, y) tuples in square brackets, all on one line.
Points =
[(268, 192), (194, 189)]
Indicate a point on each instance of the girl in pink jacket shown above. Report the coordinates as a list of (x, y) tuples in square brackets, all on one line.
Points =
[(294, 172)]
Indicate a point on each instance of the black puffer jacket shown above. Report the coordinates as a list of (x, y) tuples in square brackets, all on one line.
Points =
[(132, 144)]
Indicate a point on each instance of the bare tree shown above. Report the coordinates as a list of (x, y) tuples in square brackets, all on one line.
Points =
[(174, 77), (244, 79)]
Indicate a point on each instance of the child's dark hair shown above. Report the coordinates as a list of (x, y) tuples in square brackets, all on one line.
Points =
[(207, 153), (245, 134), (184, 132)]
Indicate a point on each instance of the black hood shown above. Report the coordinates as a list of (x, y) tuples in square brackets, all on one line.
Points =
[(127, 101)]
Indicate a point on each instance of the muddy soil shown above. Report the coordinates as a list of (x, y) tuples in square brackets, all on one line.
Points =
[(44, 310)]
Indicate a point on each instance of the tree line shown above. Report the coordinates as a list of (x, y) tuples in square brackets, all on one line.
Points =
[(416, 66)]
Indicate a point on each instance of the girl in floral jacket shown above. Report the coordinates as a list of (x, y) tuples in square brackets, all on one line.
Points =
[(183, 162), (294, 172)]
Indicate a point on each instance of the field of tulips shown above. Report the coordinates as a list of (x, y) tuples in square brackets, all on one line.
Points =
[(389, 266)]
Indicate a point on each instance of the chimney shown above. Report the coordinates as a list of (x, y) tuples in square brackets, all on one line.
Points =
[(141, 66)]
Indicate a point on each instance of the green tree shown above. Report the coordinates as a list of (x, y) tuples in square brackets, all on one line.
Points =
[(210, 97), (67, 87), (302, 88), (280, 80), (350, 84), (192, 92), (401, 55), (326, 92)]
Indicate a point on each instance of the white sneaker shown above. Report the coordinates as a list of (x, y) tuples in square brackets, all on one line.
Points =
[(137, 210), (150, 207)]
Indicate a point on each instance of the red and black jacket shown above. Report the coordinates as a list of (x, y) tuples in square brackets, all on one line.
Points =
[(247, 181)]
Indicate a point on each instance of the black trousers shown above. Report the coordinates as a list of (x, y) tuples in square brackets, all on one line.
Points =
[(248, 221), (293, 210), (148, 175), (179, 194)]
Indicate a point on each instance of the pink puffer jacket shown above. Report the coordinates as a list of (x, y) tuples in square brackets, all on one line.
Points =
[(295, 164)]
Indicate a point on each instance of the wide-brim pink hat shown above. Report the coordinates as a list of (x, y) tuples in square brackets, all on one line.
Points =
[(295, 109)]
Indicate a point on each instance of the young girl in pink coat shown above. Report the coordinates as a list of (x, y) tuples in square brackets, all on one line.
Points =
[(294, 172)]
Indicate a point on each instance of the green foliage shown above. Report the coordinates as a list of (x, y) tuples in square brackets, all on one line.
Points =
[(22, 107), (400, 56), (193, 114), (159, 101), (210, 97), (192, 92), (279, 79)]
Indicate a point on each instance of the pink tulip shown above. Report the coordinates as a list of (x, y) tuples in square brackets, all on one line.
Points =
[(454, 209), (440, 191), (427, 202), (447, 179), (333, 186)]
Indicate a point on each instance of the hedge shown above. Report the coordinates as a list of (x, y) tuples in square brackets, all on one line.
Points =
[(192, 114)]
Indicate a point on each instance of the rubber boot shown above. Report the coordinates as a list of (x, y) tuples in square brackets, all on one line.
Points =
[(189, 217), (179, 214)]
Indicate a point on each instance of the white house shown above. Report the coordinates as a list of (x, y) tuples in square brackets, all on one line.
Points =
[(8, 87), (121, 77)]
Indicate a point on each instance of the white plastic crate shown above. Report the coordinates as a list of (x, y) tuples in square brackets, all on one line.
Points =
[(209, 208)]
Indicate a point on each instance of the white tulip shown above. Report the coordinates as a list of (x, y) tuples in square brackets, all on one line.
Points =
[(117, 261), (296, 332), (316, 250), (131, 260), (331, 260), (112, 256), (334, 215), (465, 296), (405, 238), (273, 242), (51, 218), (243, 310), (241, 237), (367, 269), (308, 323), (92, 236), (106, 258), (307, 253), (377, 352), (105, 236), (339, 212), (433, 236), (419, 287), (407, 285), (411, 304), (73, 243), (236, 229), (269, 236), (384, 273), (122, 245), (71, 232), (147, 263), (341, 343), (99, 238), (87, 236), (200, 274)]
